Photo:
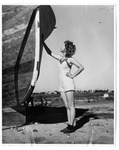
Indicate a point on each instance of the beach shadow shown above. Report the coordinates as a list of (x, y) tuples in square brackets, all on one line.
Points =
[(45, 114), (85, 119)]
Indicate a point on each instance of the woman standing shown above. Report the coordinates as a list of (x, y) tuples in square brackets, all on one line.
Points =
[(67, 85)]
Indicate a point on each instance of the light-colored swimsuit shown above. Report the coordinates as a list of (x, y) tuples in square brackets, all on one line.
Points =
[(66, 83)]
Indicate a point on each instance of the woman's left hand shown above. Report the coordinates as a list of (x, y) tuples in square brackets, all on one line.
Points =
[(69, 75)]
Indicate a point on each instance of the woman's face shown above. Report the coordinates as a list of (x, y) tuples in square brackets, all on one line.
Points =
[(62, 48)]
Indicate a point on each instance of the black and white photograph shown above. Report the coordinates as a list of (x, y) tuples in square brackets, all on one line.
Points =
[(58, 74)]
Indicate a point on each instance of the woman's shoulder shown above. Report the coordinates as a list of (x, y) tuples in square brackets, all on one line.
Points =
[(72, 60)]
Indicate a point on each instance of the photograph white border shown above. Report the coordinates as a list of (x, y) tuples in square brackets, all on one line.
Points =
[(116, 70)]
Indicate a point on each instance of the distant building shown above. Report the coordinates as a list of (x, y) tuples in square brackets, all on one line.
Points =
[(90, 91), (49, 92), (106, 95)]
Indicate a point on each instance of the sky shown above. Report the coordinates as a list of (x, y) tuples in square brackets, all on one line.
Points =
[(91, 28)]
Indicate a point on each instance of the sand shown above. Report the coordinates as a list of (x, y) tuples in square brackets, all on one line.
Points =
[(94, 126)]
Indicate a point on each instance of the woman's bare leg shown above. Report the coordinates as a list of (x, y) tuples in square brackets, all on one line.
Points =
[(63, 95), (71, 104)]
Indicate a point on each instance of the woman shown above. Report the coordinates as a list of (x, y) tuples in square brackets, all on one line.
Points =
[(67, 86)]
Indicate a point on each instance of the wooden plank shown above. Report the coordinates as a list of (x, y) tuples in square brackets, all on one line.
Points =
[(8, 7), (15, 19)]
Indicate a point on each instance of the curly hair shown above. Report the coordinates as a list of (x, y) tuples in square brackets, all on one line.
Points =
[(70, 48)]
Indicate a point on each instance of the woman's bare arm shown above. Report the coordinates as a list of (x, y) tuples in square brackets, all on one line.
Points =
[(50, 52), (78, 65)]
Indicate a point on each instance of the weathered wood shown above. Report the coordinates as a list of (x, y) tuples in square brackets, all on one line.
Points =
[(8, 7), (9, 23)]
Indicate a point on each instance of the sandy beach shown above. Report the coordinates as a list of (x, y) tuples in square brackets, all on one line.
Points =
[(95, 125)]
